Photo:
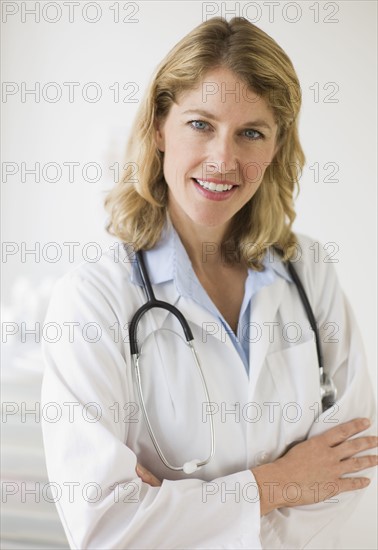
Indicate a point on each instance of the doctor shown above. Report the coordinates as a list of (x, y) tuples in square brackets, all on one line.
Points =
[(216, 147)]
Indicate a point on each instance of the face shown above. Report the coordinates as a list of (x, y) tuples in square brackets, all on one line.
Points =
[(218, 140)]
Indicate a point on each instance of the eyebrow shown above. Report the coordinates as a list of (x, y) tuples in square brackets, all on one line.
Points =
[(260, 123)]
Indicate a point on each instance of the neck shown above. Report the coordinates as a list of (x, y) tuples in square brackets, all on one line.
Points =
[(202, 243)]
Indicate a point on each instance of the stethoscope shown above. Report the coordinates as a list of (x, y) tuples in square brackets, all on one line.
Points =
[(328, 391)]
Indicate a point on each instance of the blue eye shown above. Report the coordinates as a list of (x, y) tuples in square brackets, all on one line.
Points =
[(253, 134), (198, 124), (201, 126)]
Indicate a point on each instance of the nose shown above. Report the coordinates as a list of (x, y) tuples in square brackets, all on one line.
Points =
[(222, 155)]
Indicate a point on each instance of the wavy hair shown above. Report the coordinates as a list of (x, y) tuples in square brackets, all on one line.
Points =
[(137, 205)]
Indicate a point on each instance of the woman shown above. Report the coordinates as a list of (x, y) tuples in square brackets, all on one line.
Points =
[(214, 157)]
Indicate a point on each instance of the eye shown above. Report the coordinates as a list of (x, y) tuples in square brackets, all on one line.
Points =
[(253, 134), (198, 125)]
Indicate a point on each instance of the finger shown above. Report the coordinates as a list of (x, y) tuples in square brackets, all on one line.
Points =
[(337, 435), (352, 484), (353, 446), (356, 464), (147, 476)]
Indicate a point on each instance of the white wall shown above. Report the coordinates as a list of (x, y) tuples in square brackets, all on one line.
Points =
[(334, 54)]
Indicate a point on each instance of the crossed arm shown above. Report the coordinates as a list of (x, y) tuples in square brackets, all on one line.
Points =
[(325, 459)]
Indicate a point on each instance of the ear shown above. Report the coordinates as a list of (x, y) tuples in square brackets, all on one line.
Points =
[(159, 135)]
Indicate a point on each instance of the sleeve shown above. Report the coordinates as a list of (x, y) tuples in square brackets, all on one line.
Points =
[(101, 501), (319, 525)]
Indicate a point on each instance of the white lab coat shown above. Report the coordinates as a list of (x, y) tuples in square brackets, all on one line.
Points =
[(93, 447)]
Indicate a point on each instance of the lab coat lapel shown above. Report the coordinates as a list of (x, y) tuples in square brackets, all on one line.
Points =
[(166, 292), (192, 311), (264, 308), (209, 325)]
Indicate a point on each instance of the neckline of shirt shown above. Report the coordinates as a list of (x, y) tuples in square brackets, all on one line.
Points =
[(168, 261)]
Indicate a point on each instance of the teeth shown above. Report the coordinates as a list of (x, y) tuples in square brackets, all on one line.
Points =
[(219, 187)]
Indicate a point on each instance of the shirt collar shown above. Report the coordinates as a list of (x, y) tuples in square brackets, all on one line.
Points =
[(168, 261)]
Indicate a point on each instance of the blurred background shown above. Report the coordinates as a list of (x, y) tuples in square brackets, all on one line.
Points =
[(73, 74)]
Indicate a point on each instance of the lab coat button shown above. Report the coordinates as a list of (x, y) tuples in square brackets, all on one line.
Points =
[(261, 458)]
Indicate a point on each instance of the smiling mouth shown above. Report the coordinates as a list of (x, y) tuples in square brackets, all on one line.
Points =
[(215, 187)]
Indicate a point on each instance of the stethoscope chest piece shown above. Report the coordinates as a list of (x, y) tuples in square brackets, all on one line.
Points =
[(328, 391)]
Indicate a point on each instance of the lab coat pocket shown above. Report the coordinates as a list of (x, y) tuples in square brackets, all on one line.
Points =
[(295, 372)]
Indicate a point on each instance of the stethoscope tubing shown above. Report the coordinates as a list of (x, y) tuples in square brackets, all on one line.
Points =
[(327, 388), (152, 303), (194, 464), (309, 312)]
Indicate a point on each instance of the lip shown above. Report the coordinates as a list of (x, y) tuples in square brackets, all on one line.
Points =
[(214, 196)]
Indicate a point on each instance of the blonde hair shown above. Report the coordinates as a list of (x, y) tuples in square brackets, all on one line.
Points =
[(137, 204)]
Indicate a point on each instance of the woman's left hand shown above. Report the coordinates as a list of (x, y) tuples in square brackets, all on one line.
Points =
[(147, 477)]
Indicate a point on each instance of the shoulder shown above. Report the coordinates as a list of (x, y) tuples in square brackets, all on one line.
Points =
[(315, 263), (314, 255), (106, 281), (114, 262)]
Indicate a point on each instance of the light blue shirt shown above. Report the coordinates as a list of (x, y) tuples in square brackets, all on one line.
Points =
[(168, 261)]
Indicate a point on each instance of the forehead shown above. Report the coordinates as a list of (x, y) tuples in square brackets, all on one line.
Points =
[(222, 91)]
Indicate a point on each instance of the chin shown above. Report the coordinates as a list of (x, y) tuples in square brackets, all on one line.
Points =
[(202, 217), (207, 220)]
